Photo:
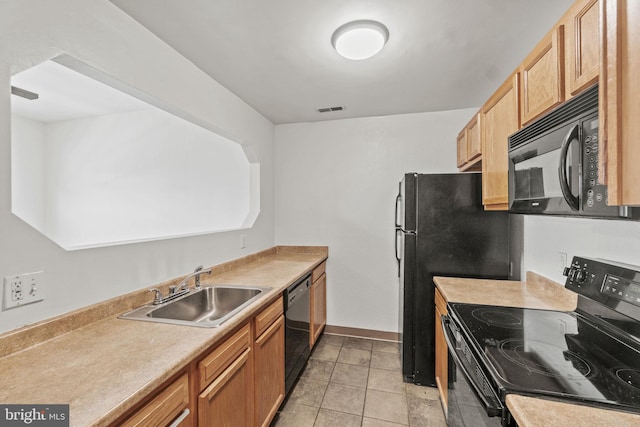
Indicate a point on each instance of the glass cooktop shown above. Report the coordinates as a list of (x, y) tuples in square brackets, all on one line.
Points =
[(558, 354)]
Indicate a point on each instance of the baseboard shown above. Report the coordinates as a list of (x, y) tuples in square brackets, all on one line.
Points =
[(362, 333)]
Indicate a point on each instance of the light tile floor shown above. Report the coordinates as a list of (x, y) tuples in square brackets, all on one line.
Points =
[(358, 382)]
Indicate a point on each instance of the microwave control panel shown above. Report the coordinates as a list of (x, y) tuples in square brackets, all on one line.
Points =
[(594, 194)]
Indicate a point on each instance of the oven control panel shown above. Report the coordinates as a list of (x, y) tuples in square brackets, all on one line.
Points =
[(607, 282), (622, 289)]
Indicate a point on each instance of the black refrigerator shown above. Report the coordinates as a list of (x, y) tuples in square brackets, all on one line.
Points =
[(441, 230)]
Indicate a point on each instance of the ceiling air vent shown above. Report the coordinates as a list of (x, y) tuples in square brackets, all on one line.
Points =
[(328, 109)]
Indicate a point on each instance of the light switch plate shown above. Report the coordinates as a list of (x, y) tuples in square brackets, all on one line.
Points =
[(22, 289)]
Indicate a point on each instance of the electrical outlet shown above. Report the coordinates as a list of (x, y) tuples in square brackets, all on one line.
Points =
[(22, 289), (243, 241), (563, 260)]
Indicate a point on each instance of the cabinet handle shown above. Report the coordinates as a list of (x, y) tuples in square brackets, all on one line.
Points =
[(183, 415)]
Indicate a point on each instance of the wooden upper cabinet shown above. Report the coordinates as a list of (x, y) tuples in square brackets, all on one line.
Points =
[(500, 118), (582, 46), (542, 76), (618, 101), (469, 145), (462, 148), (473, 138)]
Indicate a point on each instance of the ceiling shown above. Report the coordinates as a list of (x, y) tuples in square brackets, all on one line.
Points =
[(277, 56)]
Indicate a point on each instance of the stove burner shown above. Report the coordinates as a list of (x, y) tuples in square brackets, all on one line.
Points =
[(630, 377), (557, 363), (494, 316)]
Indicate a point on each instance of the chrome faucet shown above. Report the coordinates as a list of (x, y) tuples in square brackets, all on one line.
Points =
[(197, 272), (182, 288)]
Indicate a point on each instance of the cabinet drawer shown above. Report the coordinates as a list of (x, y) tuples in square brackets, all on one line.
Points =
[(165, 407), (268, 316), (220, 358), (318, 271), (441, 303)]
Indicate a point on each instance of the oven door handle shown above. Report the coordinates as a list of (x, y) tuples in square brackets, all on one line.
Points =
[(572, 201), (492, 404)]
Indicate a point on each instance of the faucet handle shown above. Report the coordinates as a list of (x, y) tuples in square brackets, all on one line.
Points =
[(158, 295)]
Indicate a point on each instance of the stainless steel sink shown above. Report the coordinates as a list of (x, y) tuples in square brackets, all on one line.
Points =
[(208, 307)]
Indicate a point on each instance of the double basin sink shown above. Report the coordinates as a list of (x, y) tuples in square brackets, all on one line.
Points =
[(207, 307)]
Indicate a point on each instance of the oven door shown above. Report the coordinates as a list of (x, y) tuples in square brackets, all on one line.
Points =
[(472, 401)]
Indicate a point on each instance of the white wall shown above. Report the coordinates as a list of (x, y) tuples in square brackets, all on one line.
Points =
[(28, 198), (99, 34), (336, 185), (138, 176), (545, 237)]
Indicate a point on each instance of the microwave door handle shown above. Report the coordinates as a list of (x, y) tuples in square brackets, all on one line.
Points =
[(571, 200)]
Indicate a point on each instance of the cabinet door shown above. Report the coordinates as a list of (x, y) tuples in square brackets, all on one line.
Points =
[(219, 359), (619, 106), (582, 47), (168, 406), (474, 148), (461, 149), (442, 352), (500, 118), (542, 76), (269, 372), (228, 400), (318, 308)]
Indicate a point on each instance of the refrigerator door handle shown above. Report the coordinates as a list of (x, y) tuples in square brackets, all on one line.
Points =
[(398, 201), (399, 236)]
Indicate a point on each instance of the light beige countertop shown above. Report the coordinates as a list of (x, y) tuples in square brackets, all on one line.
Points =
[(534, 412), (536, 292), (103, 366)]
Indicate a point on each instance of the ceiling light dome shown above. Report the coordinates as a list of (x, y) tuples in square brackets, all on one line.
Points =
[(360, 39)]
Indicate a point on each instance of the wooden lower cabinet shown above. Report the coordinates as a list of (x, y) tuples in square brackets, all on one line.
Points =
[(442, 352), (269, 372), (238, 383), (226, 382), (169, 406), (318, 301), (228, 400)]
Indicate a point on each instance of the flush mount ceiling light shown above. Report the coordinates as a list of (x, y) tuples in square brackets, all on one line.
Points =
[(360, 39)]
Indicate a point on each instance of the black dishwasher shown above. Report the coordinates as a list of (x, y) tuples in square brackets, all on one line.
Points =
[(297, 329)]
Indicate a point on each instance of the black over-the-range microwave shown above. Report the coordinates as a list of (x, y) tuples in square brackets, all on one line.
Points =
[(553, 164)]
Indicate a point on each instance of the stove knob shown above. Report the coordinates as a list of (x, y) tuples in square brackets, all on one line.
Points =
[(581, 276)]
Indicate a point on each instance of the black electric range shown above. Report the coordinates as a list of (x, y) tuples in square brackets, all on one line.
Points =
[(588, 356)]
